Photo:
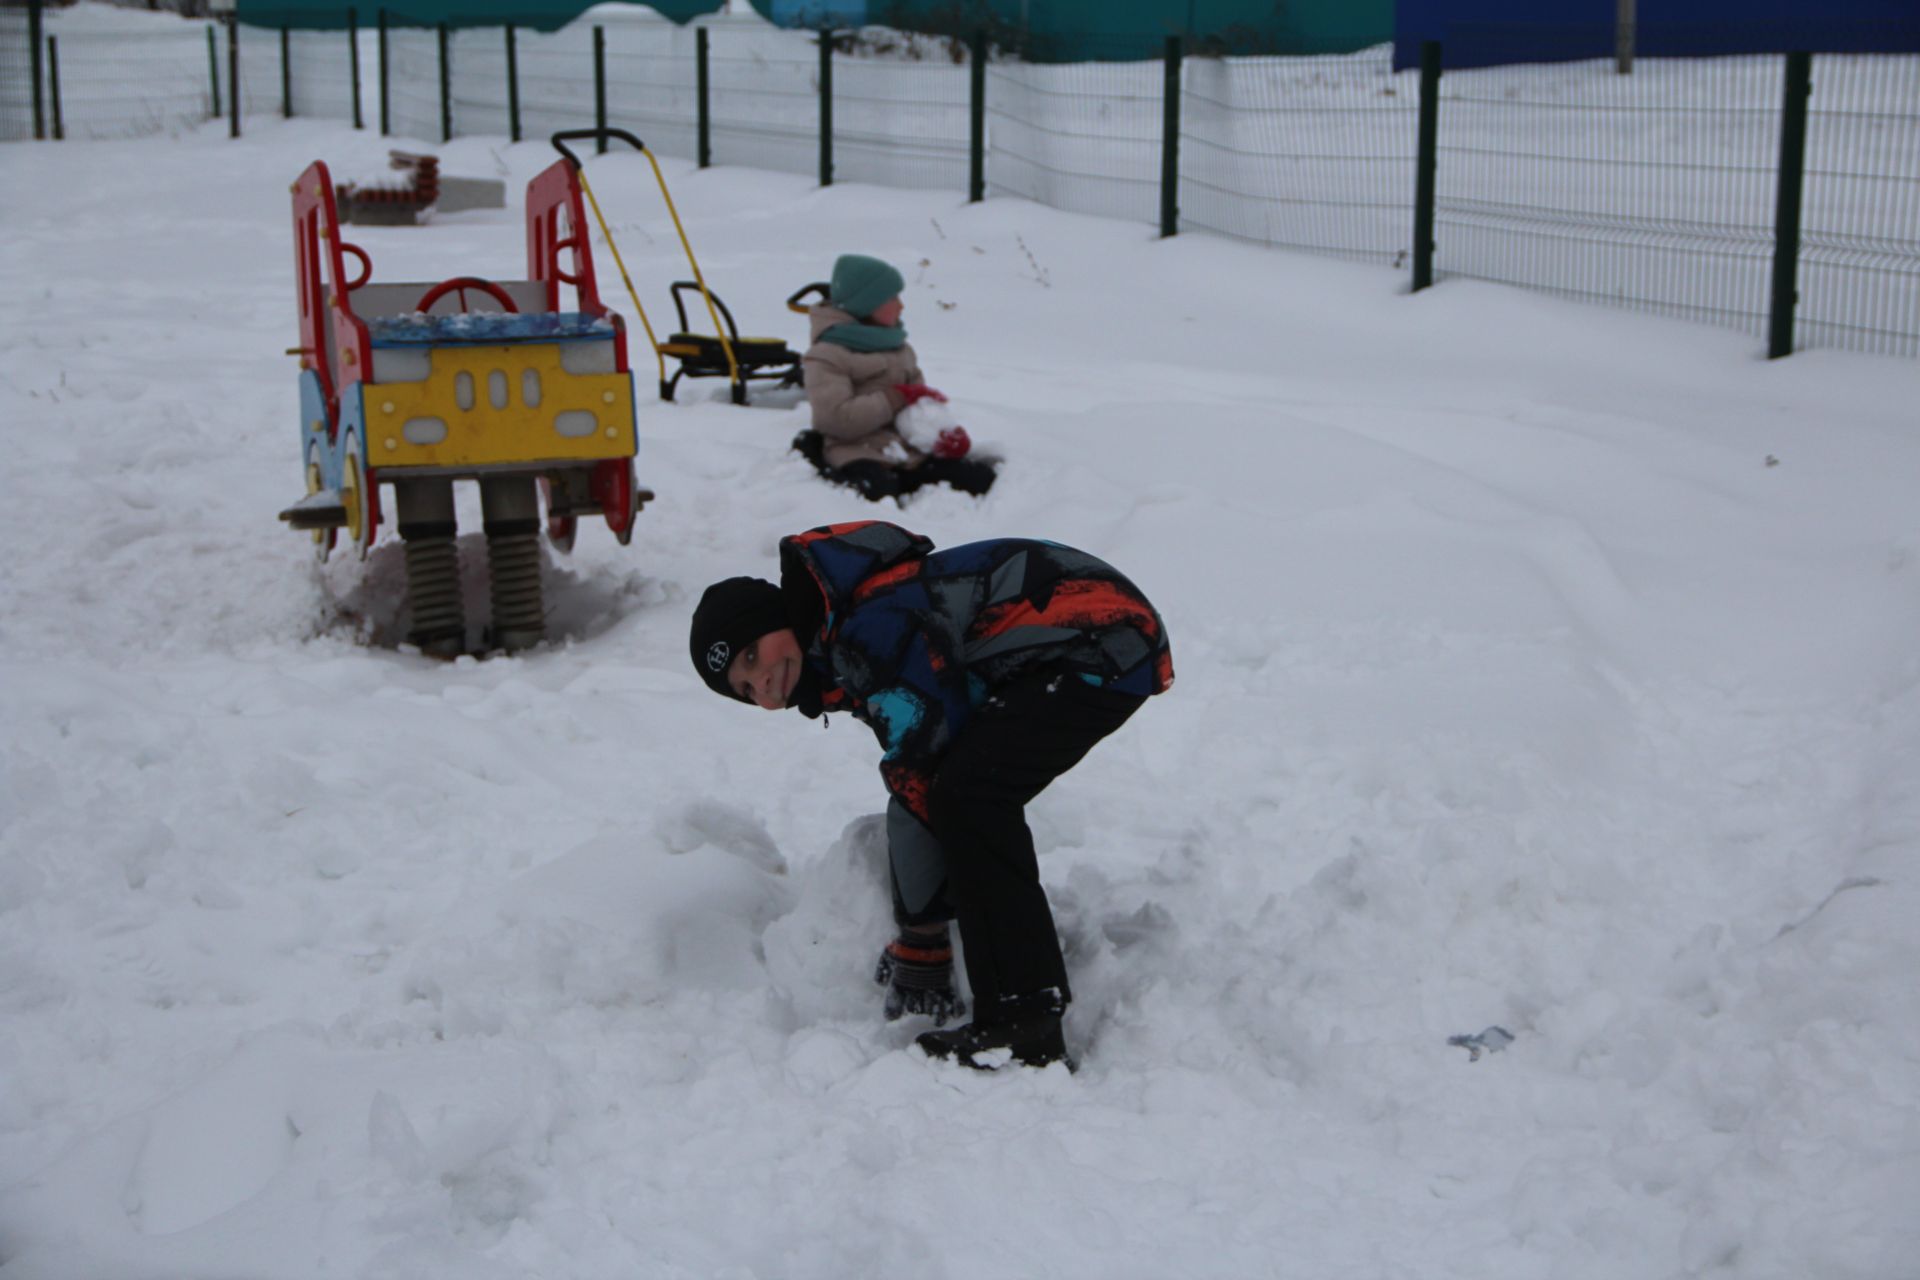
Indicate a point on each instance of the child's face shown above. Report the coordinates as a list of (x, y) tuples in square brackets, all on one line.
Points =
[(887, 314), (766, 671)]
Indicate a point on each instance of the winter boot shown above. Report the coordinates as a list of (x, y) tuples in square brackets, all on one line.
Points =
[(1024, 1030), (916, 968)]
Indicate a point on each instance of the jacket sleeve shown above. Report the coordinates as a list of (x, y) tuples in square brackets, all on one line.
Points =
[(917, 710), (837, 411)]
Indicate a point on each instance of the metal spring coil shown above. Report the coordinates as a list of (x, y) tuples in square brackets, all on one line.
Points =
[(519, 614), (433, 584)]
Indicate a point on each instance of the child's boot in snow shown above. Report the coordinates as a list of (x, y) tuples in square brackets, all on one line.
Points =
[(1025, 1030)]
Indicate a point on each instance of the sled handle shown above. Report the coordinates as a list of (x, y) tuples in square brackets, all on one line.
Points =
[(795, 304), (561, 139)]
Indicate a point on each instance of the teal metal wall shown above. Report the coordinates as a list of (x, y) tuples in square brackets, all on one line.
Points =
[(1079, 30), (1044, 30), (537, 15)]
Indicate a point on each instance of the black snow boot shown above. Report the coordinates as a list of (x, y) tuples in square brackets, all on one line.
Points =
[(1024, 1030)]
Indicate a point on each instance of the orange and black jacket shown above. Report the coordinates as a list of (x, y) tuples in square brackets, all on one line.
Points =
[(912, 640)]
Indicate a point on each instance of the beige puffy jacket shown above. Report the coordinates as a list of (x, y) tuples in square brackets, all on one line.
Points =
[(853, 398)]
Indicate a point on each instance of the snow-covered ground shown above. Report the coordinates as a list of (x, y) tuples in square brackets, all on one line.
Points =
[(1539, 666)]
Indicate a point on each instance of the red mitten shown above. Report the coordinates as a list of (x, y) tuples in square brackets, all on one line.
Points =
[(952, 443), (917, 392)]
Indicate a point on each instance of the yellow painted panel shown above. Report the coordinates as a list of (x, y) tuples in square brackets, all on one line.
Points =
[(486, 436)]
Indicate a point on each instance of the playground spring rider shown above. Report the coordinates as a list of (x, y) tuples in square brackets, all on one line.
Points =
[(402, 383)]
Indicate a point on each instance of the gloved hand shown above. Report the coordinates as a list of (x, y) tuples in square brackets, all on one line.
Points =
[(917, 392), (919, 978), (952, 443)]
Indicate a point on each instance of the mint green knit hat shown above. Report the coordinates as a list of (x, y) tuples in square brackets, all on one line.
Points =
[(862, 285)]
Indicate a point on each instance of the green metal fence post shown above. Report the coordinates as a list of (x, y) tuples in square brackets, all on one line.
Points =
[(826, 107), (1786, 216), (446, 86), (34, 31), (704, 148), (1170, 142), (977, 112), (53, 87), (286, 74), (600, 89), (1426, 164), (233, 75), (213, 70), (386, 102), (513, 85), (353, 63)]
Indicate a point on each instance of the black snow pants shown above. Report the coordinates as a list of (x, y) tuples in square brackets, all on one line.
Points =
[(1021, 739)]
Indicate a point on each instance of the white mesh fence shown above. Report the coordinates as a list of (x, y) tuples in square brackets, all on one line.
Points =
[(1654, 191), (901, 124), (321, 66), (764, 97), (1085, 137), (651, 90), (413, 83), (113, 84), (1303, 153)]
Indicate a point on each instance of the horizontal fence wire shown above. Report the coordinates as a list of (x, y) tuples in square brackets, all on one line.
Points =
[(16, 77), (903, 123), (1312, 153), (764, 87), (1085, 137), (1653, 190), (320, 66), (556, 80), (113, 83), (651, 89), (1860, 229), (479, 82), (413, 83)]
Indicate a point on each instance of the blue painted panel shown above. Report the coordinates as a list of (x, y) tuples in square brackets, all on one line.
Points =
[(1480, 33)]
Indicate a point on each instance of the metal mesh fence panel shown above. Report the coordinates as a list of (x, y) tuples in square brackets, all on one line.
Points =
[(1860, 231), (903, 123), (556, 80), (321, 63), (479, 80), (113, 83), (1653, 190), (764, 98), (16, 76), (650, 86), (1083, 137), (413, 83), (1305, 153), (259, 70)]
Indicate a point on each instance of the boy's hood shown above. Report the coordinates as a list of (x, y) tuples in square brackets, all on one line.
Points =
[(836, 559)]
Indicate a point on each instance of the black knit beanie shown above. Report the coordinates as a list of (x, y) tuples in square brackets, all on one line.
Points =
[(732, 615)]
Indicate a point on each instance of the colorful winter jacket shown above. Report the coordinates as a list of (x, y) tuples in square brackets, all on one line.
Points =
[(852, 395), (912, 641)]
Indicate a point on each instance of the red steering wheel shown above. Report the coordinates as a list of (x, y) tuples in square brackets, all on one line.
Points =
[(462, 284)]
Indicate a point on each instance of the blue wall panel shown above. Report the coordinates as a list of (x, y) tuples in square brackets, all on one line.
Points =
[(1480, 33)]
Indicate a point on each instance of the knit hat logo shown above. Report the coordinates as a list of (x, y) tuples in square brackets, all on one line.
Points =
[(719, 654)]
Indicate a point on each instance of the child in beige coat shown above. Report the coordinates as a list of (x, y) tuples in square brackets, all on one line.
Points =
[(862, 375)]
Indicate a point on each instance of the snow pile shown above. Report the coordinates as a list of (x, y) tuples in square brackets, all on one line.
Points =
[(1540, 667)]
